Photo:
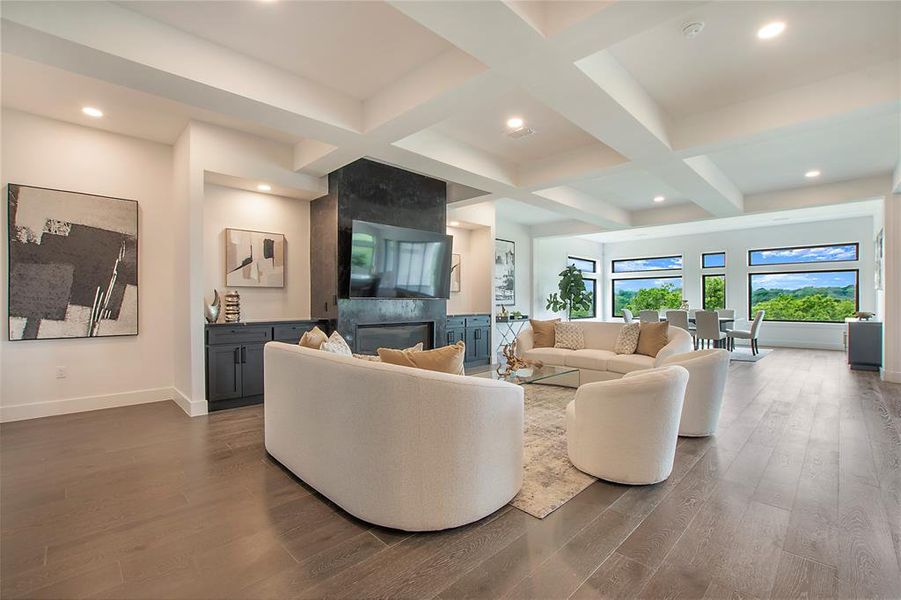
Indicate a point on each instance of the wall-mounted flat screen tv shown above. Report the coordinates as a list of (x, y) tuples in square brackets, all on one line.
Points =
[(397, 262)]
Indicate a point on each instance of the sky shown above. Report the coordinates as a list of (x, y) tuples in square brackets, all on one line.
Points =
[(647, 264), (793, 281), (804, 255), (633, 285)]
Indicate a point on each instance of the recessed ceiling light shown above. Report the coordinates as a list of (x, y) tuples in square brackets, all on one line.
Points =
[(92, 112), (771, 30), (812, 173), (659, 199), (693, 29), (454, 223), (264, 187), (515, 122)]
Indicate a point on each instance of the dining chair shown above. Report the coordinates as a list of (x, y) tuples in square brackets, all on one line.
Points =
[(750, 334), (627, 316), (726, 313), (649, 316), (707, 324), (678, 318)]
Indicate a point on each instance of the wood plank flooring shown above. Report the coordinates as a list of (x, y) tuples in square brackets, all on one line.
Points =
[(797, 496)]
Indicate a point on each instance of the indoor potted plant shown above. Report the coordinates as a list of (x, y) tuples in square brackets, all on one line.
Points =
[(572, 294)]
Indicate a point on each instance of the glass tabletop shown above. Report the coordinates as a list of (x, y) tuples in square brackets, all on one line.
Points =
[(528, 375)]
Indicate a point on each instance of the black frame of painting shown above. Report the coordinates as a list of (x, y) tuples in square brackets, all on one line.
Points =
[(9, 237)]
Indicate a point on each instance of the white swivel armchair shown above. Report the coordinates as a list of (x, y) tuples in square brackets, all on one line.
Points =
[(707, 371), (625, 430)]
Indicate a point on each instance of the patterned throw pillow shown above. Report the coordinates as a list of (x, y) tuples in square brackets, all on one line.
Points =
[(569, 336), (376, 358), (313, 338), (336, 345), (627, 340)]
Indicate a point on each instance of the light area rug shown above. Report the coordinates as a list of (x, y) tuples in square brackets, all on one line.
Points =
[(744, 354), (549, 479)]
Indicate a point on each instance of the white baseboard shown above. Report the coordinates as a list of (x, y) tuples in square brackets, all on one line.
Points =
[(35, 410), (192, 408), (890, 376)]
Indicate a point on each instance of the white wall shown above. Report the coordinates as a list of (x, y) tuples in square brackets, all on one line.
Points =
[(239, 209), (475, 293), (736, 244), (101, 371), (550, 258)]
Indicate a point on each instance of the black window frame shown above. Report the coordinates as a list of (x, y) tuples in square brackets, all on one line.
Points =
[(594, 300), (593, 261), (618, 260), (856, 290), (703, 254), (819, 262), (615, 279), (704, 289)]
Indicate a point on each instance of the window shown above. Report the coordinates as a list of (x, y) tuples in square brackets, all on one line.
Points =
[(589, 268), (652, 293), (585, 265), (591, 288), (807, 296), (713, 260), (803, 255), (713, 292), (636, 265)]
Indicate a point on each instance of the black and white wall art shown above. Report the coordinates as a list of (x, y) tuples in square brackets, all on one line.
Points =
[(73, 264), (455, 273), (504, 272), (254, 258)]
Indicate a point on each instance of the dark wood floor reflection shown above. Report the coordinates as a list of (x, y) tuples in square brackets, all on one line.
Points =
[(798, 495)]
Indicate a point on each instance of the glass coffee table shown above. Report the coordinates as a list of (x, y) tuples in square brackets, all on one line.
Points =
[(545, 374)]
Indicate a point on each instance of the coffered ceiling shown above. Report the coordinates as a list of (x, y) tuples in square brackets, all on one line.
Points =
[(624, 107)]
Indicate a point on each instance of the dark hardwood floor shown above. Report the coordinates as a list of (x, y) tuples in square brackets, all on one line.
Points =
[(798, 495)]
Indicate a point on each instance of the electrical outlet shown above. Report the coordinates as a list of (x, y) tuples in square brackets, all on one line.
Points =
[(61, 372)]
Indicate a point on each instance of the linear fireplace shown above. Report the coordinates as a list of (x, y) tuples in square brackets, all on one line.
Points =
[(372, 336)]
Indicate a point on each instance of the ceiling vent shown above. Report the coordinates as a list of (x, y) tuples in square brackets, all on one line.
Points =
[(520, 133), (692, 29)]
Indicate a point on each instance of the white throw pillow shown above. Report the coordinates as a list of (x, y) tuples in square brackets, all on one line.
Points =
[(336, 345), (568, 336), (627, 340), (376, 358)]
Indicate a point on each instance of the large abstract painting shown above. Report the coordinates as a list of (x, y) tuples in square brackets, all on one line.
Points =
[(254, 259), (504, 272), (73, 264)]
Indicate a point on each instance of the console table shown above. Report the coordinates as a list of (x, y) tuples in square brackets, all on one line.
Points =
[(234, 358)]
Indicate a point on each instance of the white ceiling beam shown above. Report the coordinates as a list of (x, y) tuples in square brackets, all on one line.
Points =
[(608, 215), (579, 164)]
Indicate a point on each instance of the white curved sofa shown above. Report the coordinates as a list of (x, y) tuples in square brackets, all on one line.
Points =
[(395, 446), (598, 362), (626, 430), (707, 370)]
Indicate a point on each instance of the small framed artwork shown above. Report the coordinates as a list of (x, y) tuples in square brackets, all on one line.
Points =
[(455, 273), (504, 272), (73, 264), (254, 259)]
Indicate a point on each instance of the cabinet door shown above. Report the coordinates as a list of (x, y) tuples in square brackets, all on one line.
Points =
[(455, 335), (223, 372), (252, 371), (483, 343)]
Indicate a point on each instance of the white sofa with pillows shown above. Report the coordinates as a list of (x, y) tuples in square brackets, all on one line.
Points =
[(397, 446), (597, 361)]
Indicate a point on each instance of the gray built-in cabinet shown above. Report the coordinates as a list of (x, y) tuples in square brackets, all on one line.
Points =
[(234, 358), (475, 332)]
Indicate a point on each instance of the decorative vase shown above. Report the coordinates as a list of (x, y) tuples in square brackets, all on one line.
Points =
[(232, 307), (211, 311)]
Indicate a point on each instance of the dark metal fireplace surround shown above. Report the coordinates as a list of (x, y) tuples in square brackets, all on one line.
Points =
[(378, 193), (372, 336)]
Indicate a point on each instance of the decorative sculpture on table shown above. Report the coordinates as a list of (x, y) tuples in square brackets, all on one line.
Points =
[(513, 362), (232, 307), (211, 311)]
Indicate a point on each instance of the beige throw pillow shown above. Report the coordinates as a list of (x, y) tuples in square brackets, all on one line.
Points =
[(375, 358), (627, 340), (448, 359), (568, 336), (336, 345), (313, 338), (652, 337), (543, 333)]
